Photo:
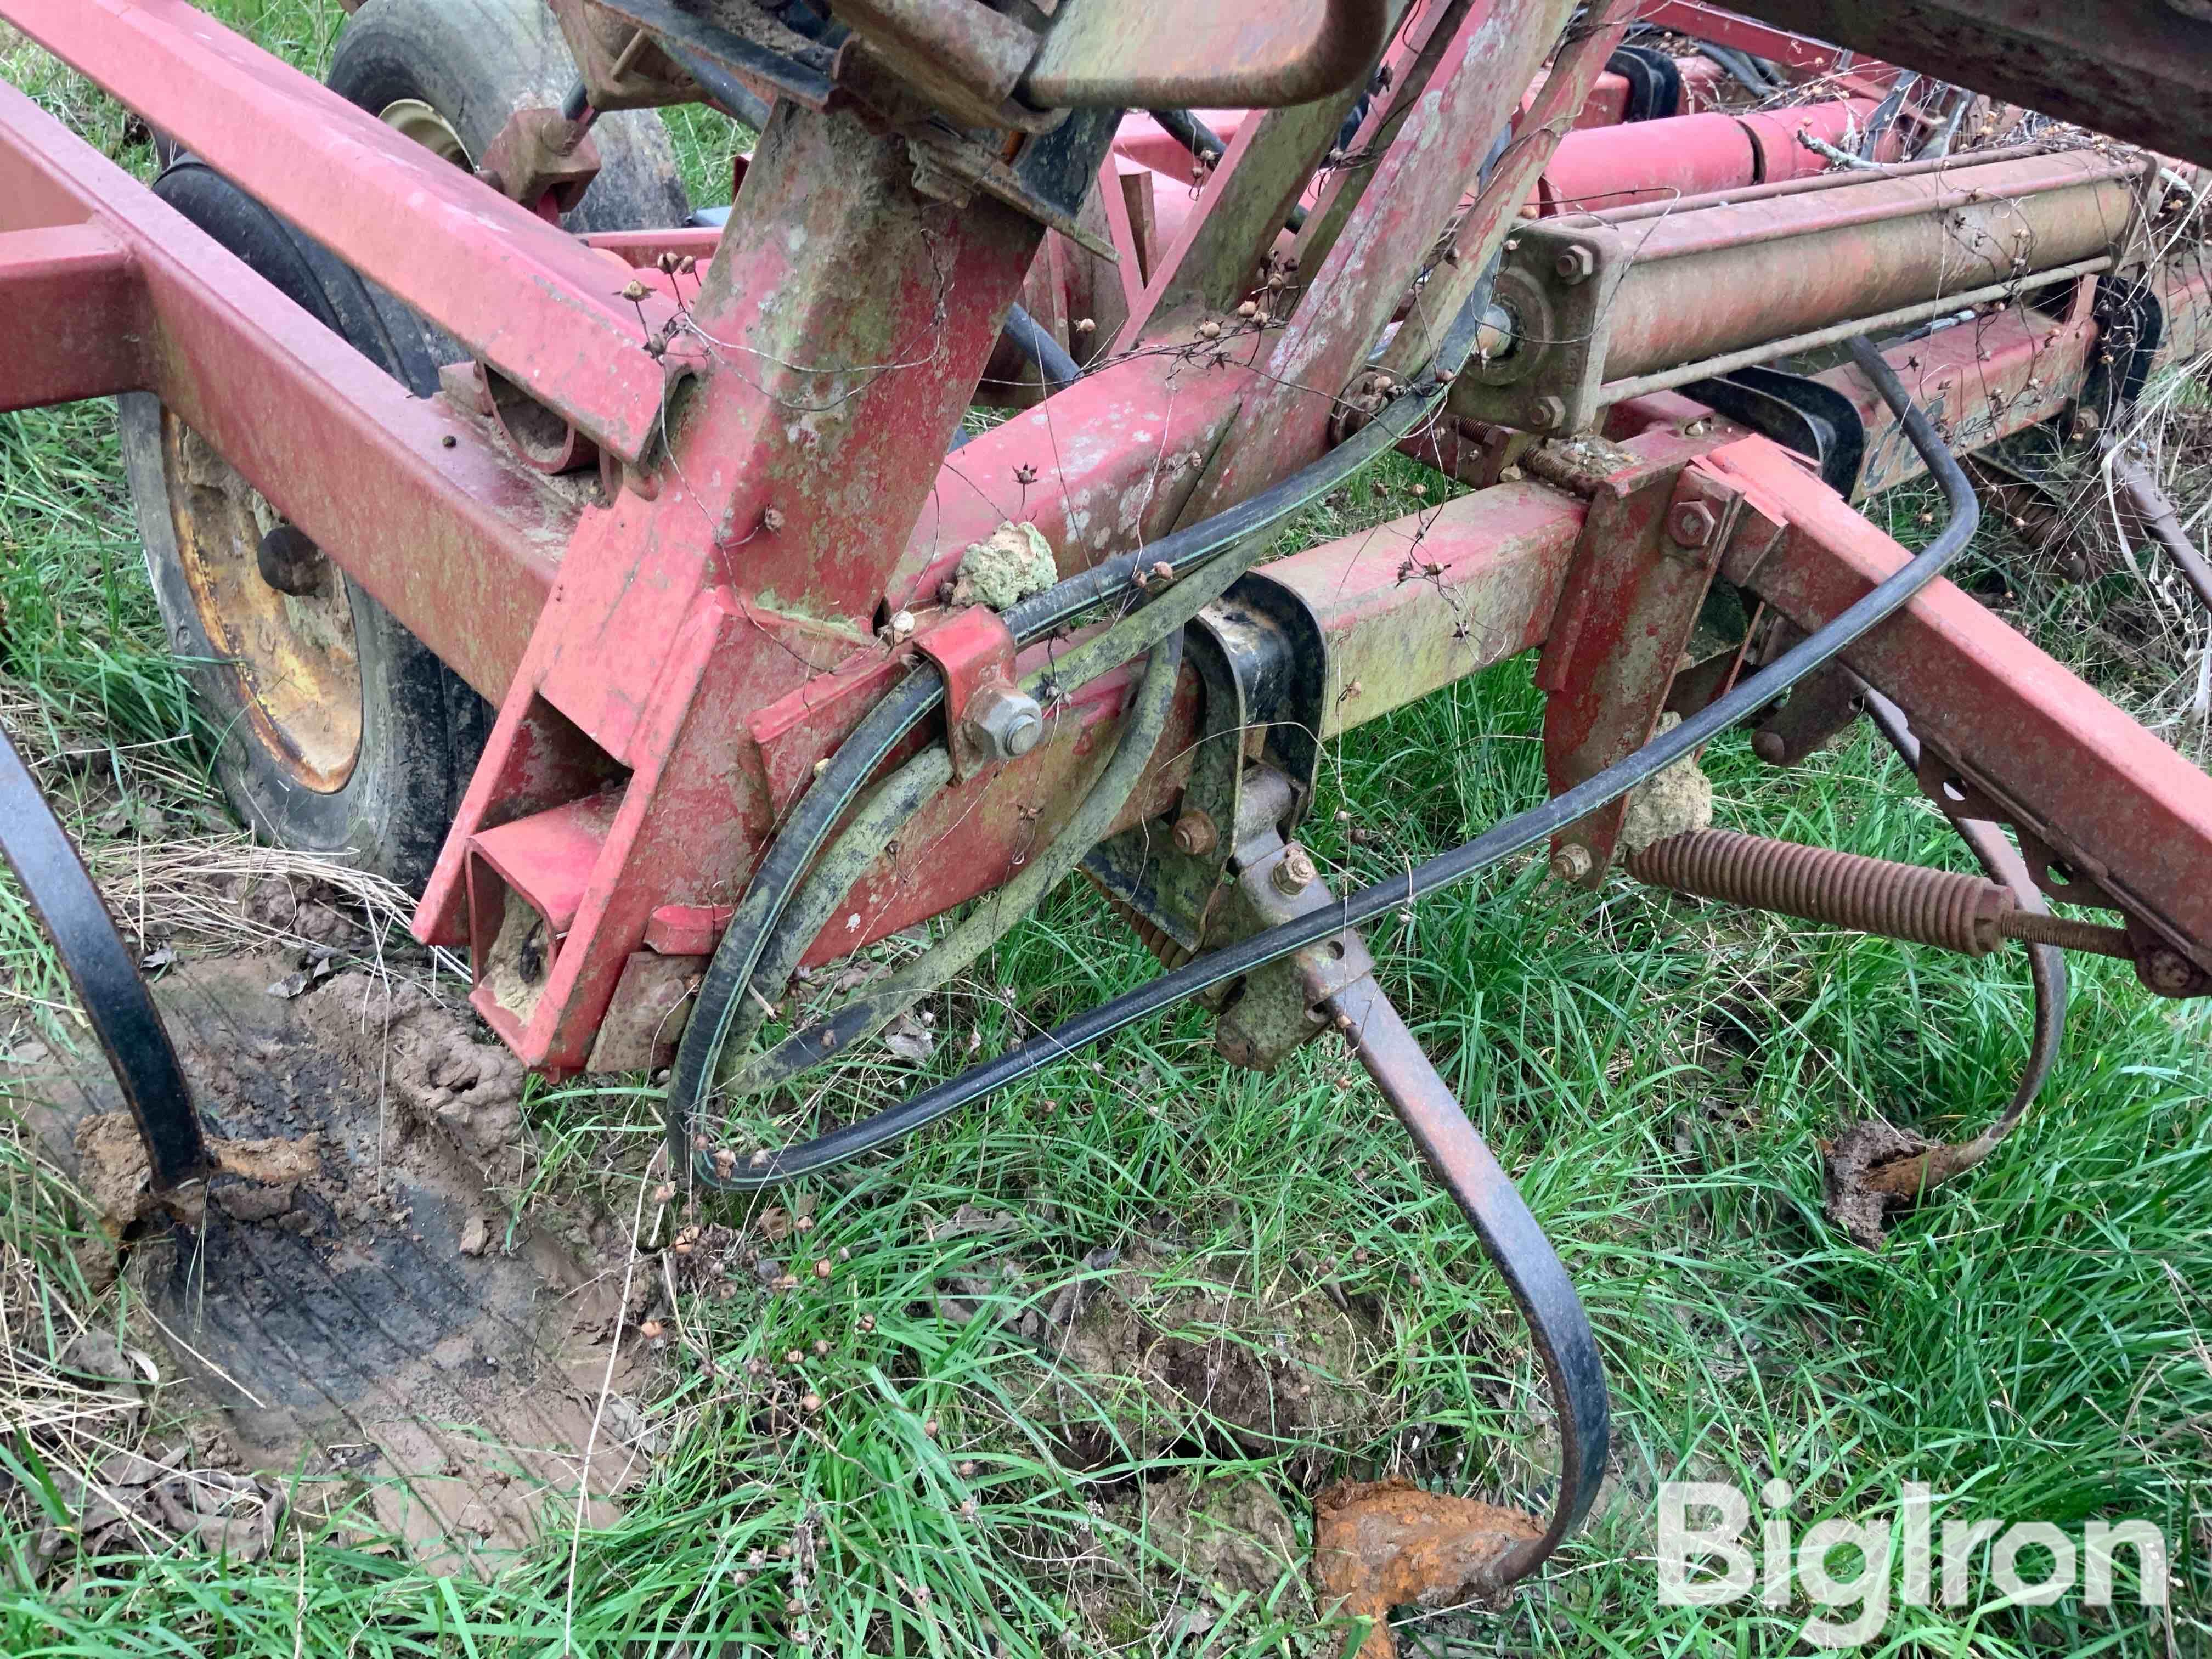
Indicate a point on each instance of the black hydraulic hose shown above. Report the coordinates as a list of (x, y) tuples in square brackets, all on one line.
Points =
[(1194, 135), (1060, 370), (1205, 145), (723, 89), (1499, 842), (914, 699)]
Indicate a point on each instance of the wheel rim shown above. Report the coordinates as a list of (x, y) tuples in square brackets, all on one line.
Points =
[(414, 119), (293, 656)]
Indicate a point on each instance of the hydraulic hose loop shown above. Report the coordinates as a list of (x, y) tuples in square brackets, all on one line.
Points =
[(995, 915), (881, 820), (1501, 842), (1238, 531)]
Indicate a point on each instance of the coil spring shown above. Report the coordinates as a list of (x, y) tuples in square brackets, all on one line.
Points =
[(1842, 890)]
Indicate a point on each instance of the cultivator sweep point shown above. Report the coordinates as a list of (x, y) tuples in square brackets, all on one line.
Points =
[(782, 660)]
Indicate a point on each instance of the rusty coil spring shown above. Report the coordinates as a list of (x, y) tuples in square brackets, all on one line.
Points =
[(1843, 889)]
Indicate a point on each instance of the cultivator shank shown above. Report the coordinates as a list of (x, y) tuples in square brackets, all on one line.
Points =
[(784, 663)]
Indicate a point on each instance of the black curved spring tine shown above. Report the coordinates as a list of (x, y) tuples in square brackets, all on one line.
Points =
[(1515, 1243), (114, 998)]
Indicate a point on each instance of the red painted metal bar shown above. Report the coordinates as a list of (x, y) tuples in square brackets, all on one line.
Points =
[(2109, 796), (76, 314), (539, 306), (1387, 240), (1408, 606), (457, 541), (1805, 57), (845, 319), (1688, 155)]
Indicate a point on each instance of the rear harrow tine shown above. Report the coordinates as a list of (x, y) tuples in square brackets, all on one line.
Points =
[(105, 977), (1513, 1241)]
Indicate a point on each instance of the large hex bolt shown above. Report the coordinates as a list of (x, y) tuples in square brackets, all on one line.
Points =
[(1575, 264), (1691, 524), (1006, 723)]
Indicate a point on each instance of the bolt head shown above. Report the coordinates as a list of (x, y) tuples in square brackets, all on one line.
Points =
[(1691, 524), (1571, 862), (1294, 871), (1547, 414), (1575, 264)]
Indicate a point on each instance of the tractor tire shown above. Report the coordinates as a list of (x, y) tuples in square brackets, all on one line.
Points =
[(339, 732), (449, 73)]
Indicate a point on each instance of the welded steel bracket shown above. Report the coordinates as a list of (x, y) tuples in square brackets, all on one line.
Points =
[(1271, 1011), (1263, 661), (1650, 547), (975, 653), (1557, 285)]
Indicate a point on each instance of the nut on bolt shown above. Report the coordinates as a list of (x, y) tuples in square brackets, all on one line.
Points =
[(1007, 723), (1575, 264), (1195, 834), (1294, 871), (1691, 524), (1571, 862), (1547, 414)]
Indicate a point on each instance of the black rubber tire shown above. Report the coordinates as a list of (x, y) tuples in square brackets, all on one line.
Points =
[(422, 726), (475, 61)]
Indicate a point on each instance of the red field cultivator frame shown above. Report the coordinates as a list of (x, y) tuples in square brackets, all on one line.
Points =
[(783, 664)]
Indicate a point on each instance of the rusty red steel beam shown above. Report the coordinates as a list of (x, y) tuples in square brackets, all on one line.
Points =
[(1805, 57), (1408, 607), (536, 304), (454, 538), (2108, 795), (75, 311), (836, 369), (1146, 53), (1405, 202)]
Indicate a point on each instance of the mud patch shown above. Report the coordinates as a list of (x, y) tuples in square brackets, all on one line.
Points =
[(349, 1312), (1874, 1170), (1234, 1535), (1162, 1356), (436, 1066)]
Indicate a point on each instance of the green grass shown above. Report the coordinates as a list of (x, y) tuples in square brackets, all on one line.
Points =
[(1657, 1076)]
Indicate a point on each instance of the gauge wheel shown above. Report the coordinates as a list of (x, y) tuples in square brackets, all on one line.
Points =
[(448, 73), (337, 731)]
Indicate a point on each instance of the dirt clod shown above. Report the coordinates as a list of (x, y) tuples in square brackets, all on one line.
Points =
[(1383, 1543), (1674, 803), (1007, 567), (434, 1068), (245, 1202), (113, 1169), (1874, 1170)]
